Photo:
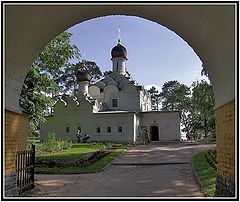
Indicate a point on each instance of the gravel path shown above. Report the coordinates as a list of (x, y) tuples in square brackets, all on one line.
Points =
[(156, 170)]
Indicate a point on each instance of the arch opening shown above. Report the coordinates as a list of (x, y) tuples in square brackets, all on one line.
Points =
[(201, 26)]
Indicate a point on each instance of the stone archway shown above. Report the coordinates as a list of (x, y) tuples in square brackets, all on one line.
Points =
[(209, 29)]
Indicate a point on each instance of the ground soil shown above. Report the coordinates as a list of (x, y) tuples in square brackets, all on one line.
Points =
[(153, 171)]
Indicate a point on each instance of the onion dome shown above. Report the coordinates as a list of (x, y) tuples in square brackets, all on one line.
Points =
[(119, 51), (83, 75)]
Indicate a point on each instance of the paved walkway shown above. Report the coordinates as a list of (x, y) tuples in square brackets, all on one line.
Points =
[(156, 170)]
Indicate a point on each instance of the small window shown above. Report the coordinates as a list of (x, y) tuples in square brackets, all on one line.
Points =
[(114, 102), (120, 129), (98, 129), (109, 129), (67, 129)]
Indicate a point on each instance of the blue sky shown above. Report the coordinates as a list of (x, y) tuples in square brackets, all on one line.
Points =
[(155, 54)]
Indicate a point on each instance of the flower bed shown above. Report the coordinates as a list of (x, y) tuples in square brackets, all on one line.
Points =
[(80, 160)]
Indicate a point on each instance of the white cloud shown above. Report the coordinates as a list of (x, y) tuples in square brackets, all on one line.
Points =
[(159, 88)]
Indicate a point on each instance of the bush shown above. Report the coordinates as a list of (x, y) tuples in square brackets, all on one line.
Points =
[(211, 157), (213, 154), (52, 144), (32, 140), (116, 145)]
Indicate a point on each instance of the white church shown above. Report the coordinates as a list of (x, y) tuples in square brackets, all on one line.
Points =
[(114, 109)]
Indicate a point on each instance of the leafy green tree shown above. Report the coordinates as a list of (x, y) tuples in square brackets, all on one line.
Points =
[(176, 97), (166, 95), (154, 98), (39, 85), (179, 97), (67, 81), (202, 108)]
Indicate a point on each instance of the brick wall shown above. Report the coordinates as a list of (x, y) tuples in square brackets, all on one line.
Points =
[(16, 126), (225, 130)]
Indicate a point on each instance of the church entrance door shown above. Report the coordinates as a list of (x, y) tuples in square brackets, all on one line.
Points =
[(154, 133)]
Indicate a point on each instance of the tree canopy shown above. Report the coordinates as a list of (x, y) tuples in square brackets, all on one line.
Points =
[(52, 75), (154, 98), (202, 108), (195, 104)]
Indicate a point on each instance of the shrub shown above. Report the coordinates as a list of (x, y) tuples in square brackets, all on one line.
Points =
[(211, 157), (213, 154), (32, 140), (116, 145), (52, 144)]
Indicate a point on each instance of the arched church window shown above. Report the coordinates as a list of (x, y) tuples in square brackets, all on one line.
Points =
[(109, 129), (117, 65), (120, 129), (67, 129), (98, 130)]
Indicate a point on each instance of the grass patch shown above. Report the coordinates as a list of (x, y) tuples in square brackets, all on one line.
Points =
[(206, 174), (76, 150), (95, 167), (206, 141)]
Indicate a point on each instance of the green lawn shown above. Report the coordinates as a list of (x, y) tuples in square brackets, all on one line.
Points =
[(77, 149), (206, 174), (73, 153)]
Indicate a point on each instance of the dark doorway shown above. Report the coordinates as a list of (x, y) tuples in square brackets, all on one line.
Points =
[(154, 133)]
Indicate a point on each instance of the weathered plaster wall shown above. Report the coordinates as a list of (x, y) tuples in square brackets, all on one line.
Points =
[(209, 30), (167, 122), (72, 116), (114, 120)]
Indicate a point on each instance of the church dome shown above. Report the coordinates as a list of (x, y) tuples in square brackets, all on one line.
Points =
[(83, 76), (119, 51)]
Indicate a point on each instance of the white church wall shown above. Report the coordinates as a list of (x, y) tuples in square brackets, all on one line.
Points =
[(109, 93), (129, 102), (94, 91), (60, 105), (45, 127), (119, 64), (72, 105), (114, 120), (71, 117), (110, 89), (129, 88), (129, 98), (168, 124), (136, 137)]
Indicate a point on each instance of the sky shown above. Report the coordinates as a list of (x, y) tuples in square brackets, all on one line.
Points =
[(155, 54)]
